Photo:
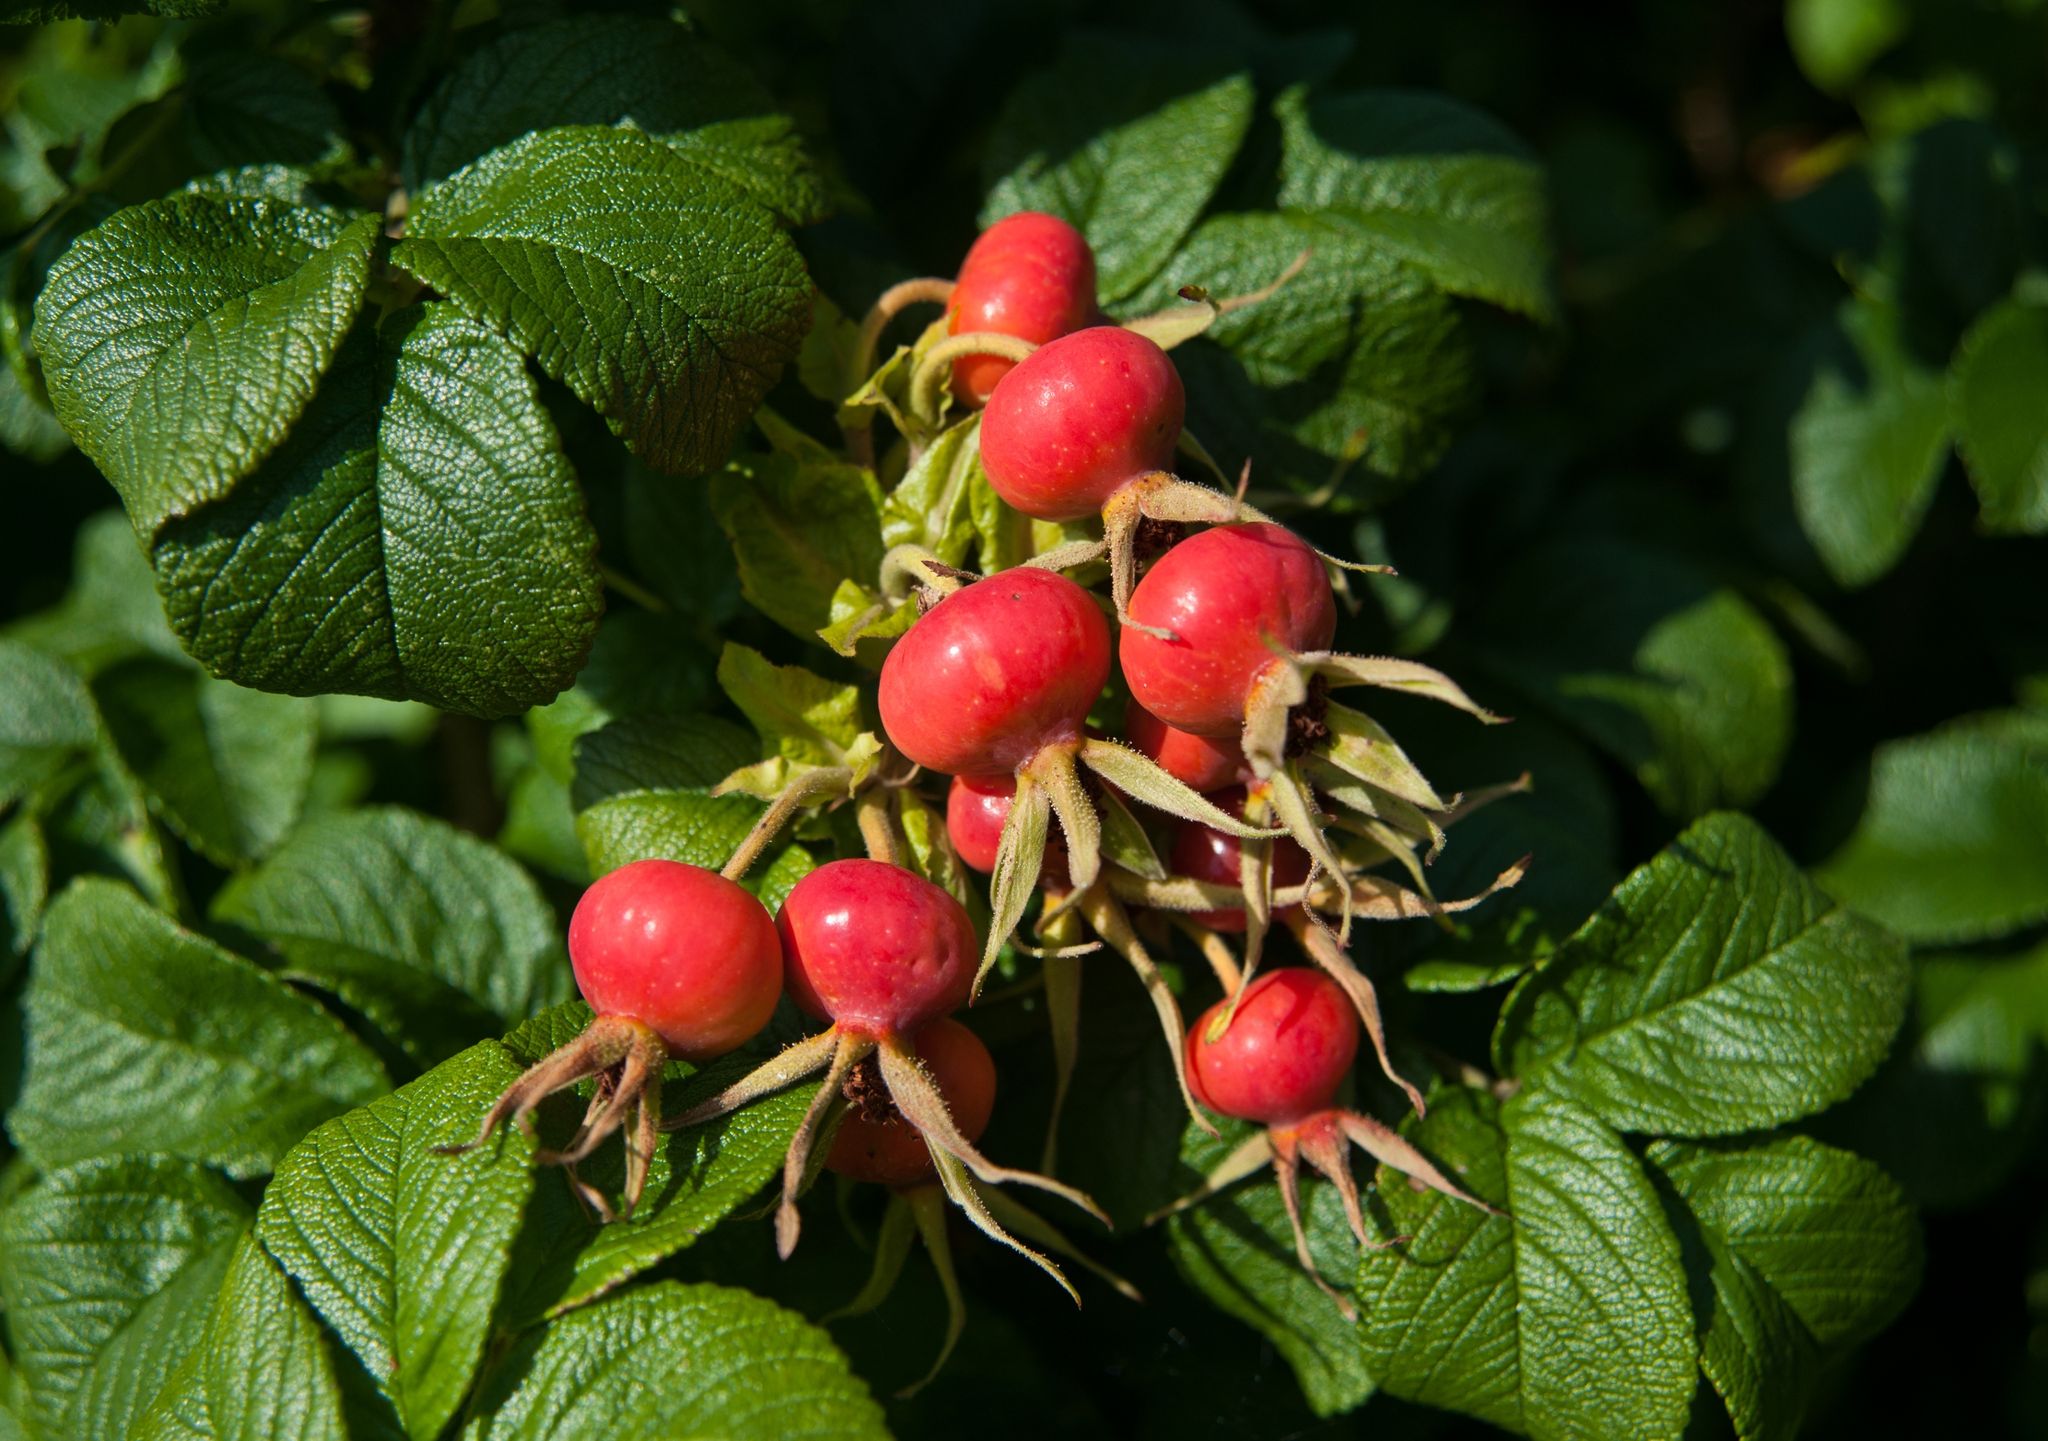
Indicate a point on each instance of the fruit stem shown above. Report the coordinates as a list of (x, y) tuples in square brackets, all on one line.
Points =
[(937, 365), (877, 830), (806, 788), (926, 289), (1215, 950)]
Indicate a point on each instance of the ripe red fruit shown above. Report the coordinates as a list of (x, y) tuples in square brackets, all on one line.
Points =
[(876, 1144), (1212, 856), (976, 807), (995, 672), (1227, 596), (1030, 275), (874, 948), (1078, 418), (1203, 763), (682, 950), (1285, 1054)]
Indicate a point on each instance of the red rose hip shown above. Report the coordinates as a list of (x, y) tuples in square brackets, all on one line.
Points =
[(1286, 1052), (1203, 763), (1078, 418), (995, 672), (1029, 275), (874, 948), (682, 950), (1226, 597)]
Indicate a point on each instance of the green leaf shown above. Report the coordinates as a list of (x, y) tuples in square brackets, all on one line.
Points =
[(403, 1251), (24, 887), (1571, 1319), (1370, 358), (690, 826), (35, 12), (242, 109), (649, 284), (1716, 991), (111, 611), (1960, 1102), (703, 1361), (1868, 440), (1423, 178), (798, 529), (651, 74), (182, 338), (46, 719), (433, 935), (226, 768), (420, 536), (1998, 374), (1651, 657), (1952, 844), (932, 506), (801, 717), (1124, 138), (657, 751), (1835, 41), (1238, 1250), (1809, 1250), (262, 1371), (145, 1037), (105, 1270), (697, 1178)]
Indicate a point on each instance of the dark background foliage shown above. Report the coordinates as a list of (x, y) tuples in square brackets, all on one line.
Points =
[(1746, 513)]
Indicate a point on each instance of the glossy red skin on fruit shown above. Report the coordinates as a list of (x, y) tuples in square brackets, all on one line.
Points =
[(976, 808), (684, 951), (1206, 855), (1224, 593), (1077, 418), (874, 948), (994, 672), (1286, 1053), (1030, 275), (891, 1152), (1203, 763)]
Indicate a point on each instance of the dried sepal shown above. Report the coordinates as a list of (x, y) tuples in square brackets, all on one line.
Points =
[(1020, 855), (847, 1052), (918, 1100), (961, 1188), (1141, 778)]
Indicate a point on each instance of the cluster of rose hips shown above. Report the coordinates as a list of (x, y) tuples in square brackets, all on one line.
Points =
[(1224, 647)]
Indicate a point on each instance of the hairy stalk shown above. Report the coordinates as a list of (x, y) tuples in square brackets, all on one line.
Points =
[(805, 790), (937, 364)]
